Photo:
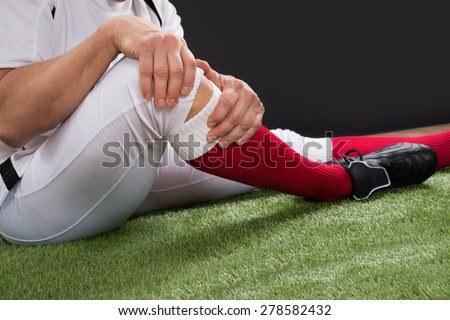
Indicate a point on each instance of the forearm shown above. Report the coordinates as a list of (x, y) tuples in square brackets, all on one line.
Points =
[(36, 98)]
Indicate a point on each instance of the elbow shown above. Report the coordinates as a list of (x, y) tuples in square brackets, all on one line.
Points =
[(8, 132), (10, 138), (12, 141)]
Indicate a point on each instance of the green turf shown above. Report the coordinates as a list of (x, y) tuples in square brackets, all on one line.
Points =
[(263, 245)]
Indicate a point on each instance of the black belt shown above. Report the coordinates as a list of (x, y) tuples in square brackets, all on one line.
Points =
[(9, 174)]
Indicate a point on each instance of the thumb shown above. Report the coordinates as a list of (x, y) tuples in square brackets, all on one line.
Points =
[(209, 72)]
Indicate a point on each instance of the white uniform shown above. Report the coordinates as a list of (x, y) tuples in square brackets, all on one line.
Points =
[(69, 189)]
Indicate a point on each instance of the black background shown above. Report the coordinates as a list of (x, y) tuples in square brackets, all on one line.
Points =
[(351, 67)]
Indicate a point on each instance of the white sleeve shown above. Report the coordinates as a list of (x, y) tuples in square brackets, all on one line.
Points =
[(170, 19), (26, 32)]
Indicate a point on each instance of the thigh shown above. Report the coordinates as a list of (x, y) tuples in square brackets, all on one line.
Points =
[(178, 184), (97, 167)]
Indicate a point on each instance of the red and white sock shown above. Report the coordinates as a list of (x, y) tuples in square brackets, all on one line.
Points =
[(264, 162), (315, 149), (267, 162)]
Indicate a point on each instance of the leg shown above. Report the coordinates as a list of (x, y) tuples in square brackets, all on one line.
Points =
[(179, 184), (326, 149), (267, 162), (97, 167), (439, 142)]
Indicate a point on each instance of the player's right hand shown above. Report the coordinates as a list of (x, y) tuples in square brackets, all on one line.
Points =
[(166, 65)]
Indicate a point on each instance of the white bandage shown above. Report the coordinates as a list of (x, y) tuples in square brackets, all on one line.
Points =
[(191, 142)]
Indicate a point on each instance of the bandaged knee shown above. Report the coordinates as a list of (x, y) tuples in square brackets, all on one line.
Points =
[(191, 141)]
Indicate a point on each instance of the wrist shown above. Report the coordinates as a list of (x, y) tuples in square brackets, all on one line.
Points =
[(105, 38)]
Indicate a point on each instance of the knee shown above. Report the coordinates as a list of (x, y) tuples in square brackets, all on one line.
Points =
[(123, 75), (116, 93), (202, 97)]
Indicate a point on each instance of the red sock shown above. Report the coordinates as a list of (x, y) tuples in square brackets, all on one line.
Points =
[(439, 142), (267, 162)]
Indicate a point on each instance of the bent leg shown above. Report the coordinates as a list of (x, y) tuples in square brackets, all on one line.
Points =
[(97, 167)]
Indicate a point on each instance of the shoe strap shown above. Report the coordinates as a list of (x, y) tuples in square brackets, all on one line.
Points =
[(349, 160)]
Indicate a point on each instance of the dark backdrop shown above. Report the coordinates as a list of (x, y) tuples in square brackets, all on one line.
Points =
[(349, 67)]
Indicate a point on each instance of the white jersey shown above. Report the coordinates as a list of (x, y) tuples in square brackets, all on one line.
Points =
[(29, 33)]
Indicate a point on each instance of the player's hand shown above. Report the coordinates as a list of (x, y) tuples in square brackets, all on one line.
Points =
[(239, 112), (166, 65)]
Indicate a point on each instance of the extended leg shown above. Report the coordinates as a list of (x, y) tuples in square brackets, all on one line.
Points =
[(267, 162), (439, 142)]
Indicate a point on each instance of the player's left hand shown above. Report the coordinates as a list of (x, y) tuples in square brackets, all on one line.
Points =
[(239, 112)]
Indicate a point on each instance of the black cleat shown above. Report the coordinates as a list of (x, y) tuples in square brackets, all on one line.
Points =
[(398, 165)]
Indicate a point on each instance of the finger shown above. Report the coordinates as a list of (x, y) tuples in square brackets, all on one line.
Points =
[(209, 72), (175, 79), (257, 123), (251, 132), (189, 71), (146, 74), (236, 134), (216, 120), (248, 124), (160, 76), (202, 64), (233, 119)]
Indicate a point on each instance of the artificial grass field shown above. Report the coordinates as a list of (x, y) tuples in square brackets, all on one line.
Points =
[(262, 245)]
